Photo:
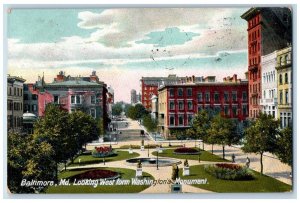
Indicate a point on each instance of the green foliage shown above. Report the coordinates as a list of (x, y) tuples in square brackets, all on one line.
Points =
[(260, 137), (240, 173), (179, 134), (101, 127), (222, 131), (284, 149), (117, 109), (149, 123), (136, 112)]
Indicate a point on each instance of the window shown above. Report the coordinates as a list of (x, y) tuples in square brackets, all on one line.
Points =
[(207, 97), (234, 110), (200, 108), (286, 96), (234, 96), (216, 97), (189, 92), (286, 78), (181, 105), (226, 110), (56, 99), (280, 79), (245, 110), (93, 99), (217, 109), (34, 97), (226, 96), (280, 97), (78, 101), (93, 113), (190, 105), (172, 120), (172, 107), (180, 120), (199, 97), (34, 107), (73, 99), (171, 92), (180, 92), (244, 96), (190, 119), (281, 61), (25, 96)]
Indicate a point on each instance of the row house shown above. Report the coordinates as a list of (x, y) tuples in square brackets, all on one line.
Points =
[(178, 103)]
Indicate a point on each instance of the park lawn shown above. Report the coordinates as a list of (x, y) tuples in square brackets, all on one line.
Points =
[(151, 146), (89, 159), (205, 156), (261, 183), (125, 174)]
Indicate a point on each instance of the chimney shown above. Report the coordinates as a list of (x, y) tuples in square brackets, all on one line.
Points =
[(234, 78), (94, 77), (193, 79), (60, 77)]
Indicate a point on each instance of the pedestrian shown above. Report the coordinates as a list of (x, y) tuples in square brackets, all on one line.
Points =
[(247, 162), (233, 158)]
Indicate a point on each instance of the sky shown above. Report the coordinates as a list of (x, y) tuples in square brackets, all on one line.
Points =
[(123, 45)]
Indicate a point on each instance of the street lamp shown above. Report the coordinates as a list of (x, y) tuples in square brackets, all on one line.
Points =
[(148, 148), (199, 152), (157, 149)]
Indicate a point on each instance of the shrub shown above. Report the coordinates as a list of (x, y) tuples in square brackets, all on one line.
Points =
[(227, 171), (186, 150)]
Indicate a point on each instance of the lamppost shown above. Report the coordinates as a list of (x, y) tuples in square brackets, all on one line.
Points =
[(199, 152), (157, 149), (148, 148)]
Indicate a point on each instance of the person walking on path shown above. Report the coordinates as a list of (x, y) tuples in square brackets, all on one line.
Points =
[(247, 162), (233, 158)]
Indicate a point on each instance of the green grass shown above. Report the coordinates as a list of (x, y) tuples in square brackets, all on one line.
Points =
[(125, 174), (151, 146), (261, 183), (89, 159), (205, 156)]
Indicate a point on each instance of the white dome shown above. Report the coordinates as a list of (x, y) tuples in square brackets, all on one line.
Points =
[(29, 116)]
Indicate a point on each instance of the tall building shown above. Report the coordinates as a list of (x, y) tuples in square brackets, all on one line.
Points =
[(269, 84), (178, 103), (149, 86), (269, 29), (133, 97), (284, 72), (14, 103)]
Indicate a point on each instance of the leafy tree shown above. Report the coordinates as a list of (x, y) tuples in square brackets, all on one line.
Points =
[(201, 124), (54, 129), (223, 132), (284, 149), (136, 112), (149, 123), (260, 137), (17, 155), (117, 109)]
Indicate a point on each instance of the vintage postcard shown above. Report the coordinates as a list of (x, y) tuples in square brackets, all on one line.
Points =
[(149, 100)]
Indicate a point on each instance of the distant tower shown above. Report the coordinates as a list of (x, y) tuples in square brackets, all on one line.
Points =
[(133, 96)]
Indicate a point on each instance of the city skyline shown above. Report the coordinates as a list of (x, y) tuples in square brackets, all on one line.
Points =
[(181, 41)]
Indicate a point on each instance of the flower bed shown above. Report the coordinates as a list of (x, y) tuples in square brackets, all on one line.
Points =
[(186, 151), (101, 152), (97, 174), (227, 171)]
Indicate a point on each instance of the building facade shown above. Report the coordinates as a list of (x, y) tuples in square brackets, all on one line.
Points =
[(149, 86), (178, 103), (284, 80), (14, 103), (269, 29), (133, 97), (269, 85)]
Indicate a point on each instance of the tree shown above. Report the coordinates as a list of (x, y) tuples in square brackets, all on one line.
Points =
[(284, 149), (136, 112), (117, 109), (223, 132), (201, 123), (149, 123), (54, 129), (260, 137)]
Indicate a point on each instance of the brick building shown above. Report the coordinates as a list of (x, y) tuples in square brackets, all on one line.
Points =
[(14, 103), (178, 103), (149, 86), (269, 29)]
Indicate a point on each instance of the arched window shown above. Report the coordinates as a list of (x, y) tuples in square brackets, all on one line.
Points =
[(286, 78), (280, 79), (281, 61)]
